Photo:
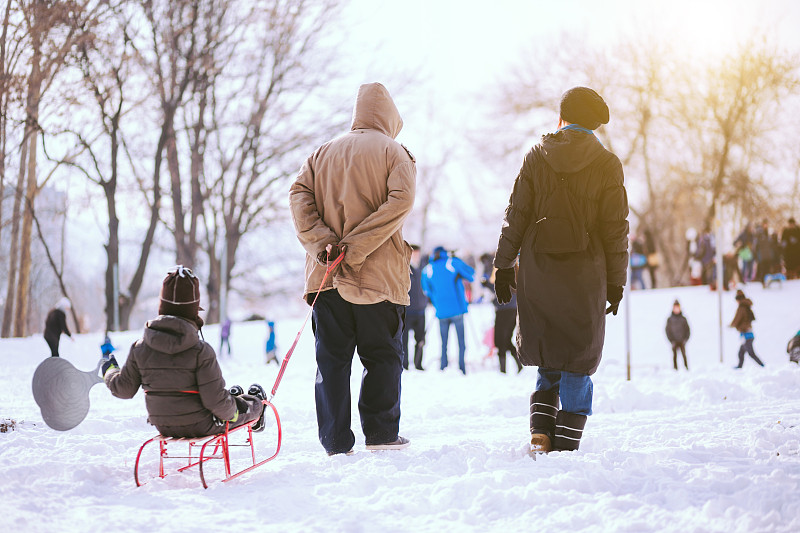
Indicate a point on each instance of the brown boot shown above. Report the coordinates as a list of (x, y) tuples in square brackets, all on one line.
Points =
[(540, 443)]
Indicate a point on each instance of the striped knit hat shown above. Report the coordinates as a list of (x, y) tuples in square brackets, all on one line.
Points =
[(180, 295)]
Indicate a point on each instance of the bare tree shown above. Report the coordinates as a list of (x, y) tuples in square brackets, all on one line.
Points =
[(276, 77), (52, 30)]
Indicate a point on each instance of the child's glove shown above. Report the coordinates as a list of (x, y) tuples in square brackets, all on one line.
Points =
[(108, 364)]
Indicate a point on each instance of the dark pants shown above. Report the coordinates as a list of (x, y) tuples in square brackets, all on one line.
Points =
[(747, 347), (376, 330), (224, 342), (249, 408), (52, 342), (505, 320), (682, 347), (414, 322)]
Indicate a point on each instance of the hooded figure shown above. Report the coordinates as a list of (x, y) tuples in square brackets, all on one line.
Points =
[(55, 324), (567, 222), (352, 196), (185, 393)]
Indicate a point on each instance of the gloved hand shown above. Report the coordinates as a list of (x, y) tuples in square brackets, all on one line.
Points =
[(505, 279), (108, 364), (329, 254), (614, 297)]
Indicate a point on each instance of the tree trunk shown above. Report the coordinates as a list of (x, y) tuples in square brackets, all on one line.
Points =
[(26, 241), (112, 248), (13, 255), (183, 255)]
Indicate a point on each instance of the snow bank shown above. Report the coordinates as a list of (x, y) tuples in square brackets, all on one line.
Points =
[(712, 449)]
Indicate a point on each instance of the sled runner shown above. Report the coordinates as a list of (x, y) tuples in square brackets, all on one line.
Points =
[(201, 450)]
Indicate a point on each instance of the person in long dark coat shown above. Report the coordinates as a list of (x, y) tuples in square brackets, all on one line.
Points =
[(572, 259), (55, 324), (790, 242)]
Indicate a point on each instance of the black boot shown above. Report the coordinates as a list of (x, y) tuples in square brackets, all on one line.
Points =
[(544, 406), (569, 429), (259, 392)]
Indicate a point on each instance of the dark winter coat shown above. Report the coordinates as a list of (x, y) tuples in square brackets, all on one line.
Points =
[(418, 299), (561, 298), (179, 373), (55, 324), (743, 319), (677, 329), (790, 241)]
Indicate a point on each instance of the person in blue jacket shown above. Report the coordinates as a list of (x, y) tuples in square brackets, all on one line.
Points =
[(443, 283)]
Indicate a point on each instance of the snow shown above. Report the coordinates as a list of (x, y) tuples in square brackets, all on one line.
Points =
[(712, 449)]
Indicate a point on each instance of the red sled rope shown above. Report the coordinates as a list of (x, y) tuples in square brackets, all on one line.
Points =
[(330, 268)]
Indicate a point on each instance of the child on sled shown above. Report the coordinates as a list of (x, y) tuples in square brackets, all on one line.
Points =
[(184, 390)]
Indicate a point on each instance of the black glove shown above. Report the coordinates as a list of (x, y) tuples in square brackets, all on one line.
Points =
[(614, 297), (325, 256), (108, 365), (504, 281)]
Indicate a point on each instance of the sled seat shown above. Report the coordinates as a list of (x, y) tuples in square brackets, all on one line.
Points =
[(213, 447)]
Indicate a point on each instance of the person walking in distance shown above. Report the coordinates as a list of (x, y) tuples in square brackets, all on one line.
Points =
[(678, 332), (351, 197), (225, 336), (415, 312), (55, 324), (743, 322), (566, 223)]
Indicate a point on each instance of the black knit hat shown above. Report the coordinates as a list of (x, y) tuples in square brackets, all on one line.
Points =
[(180, 295), (584, 107)]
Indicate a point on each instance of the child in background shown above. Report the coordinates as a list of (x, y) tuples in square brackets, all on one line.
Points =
[(743, 322), (225, 336), (678, 333), (107, 348), (272, 350)]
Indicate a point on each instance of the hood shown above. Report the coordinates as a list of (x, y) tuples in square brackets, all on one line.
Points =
[(570, 151), (375, 110), (170, 334), (747, 301)]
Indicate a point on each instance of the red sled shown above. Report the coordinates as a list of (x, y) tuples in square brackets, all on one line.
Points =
[(212, 448)]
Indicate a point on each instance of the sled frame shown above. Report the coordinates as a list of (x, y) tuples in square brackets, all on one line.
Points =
[(214, 447)]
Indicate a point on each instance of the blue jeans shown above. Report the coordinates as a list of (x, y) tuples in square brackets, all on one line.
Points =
[(574, 390), (444, 329)]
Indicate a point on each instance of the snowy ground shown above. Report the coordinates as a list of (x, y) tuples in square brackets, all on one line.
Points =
[(714, 449)]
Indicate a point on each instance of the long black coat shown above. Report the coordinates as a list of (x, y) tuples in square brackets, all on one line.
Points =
[(561, 298)]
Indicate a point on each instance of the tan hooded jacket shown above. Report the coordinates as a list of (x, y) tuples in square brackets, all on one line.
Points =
[(356, 191)]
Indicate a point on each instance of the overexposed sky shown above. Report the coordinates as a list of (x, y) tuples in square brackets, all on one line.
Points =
[(459, 53)]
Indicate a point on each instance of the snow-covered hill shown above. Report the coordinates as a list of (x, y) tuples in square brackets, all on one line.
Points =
[(712, 449)]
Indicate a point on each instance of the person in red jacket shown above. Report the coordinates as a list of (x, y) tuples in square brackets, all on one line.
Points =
[(185, 393)]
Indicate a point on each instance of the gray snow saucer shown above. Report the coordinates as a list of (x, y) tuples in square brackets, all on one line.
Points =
[(62, 392)]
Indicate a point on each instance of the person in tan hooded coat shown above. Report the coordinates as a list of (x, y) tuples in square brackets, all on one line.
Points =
[(352, 196)]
